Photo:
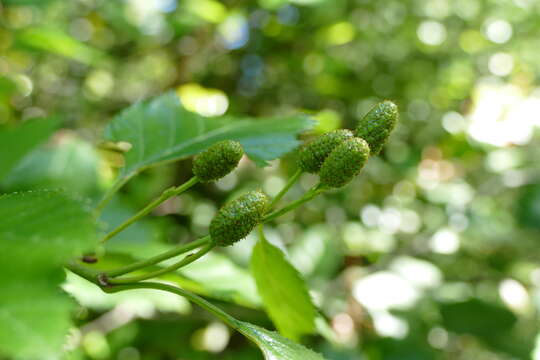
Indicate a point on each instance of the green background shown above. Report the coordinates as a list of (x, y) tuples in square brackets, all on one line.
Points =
[(431, 254)]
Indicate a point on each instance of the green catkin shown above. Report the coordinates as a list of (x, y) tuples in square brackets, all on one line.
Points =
[(344, 163), (235, 220), (312, 155), (217, 161), (376, 125)]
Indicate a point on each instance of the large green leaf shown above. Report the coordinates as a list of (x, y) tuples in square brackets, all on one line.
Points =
[(161, 130), (283, 291), (275, 346), (39, 231), (15, 143), (71, 165)]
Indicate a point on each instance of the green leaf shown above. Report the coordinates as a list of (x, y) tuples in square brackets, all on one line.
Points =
[(213, 275), (490, 322), (275, 346), (71, 165), (477, 317), (15, 143), (39, 231), (90, 296), (161, 130), (57, 42), (221, 278), (283, 291)]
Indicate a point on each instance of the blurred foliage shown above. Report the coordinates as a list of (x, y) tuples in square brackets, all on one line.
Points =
[(431, 254)]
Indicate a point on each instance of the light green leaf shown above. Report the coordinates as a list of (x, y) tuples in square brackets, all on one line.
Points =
[(275, 346), (71, 165), (57, 42), (90, 296), (283, 291), (161, 130), (223, 279), (15, 143), (39, 231), (213, 275)]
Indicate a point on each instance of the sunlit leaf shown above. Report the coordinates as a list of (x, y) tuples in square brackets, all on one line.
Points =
[(283, 291), (213, 275)]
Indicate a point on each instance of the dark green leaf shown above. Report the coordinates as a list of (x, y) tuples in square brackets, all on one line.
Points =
[(162, 131), (491, 323), (275, 346), (283, 291), (15, 143), (39, 231), (477, 317)]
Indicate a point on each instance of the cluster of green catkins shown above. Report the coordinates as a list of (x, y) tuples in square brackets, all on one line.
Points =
[(337, 156)]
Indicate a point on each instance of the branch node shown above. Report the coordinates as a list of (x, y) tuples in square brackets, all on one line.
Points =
[(103, 280)]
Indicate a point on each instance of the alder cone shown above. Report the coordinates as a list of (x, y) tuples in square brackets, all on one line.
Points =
[(312, 155), (377, 124), (236, 219), (217, 161), (344, 163)]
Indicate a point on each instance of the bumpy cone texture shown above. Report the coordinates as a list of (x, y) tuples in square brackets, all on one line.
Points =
[(313, 154), (236, 219), (344, 163), (376, 125), (217, 161)]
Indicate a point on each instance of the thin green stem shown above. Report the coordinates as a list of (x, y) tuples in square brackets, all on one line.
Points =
[(292, 180), (185, 261), (226, 318), (180, 249), (83, 271), (167, 194), (310, 194)]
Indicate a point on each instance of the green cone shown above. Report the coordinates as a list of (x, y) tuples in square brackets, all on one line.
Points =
[(313, 154), (217, 161), (376, 125), (236, 219), (344, 163)]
